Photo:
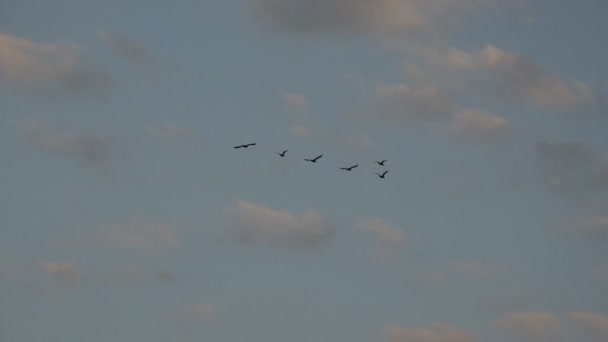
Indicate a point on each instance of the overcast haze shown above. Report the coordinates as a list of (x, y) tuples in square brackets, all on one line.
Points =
[(126, 214)]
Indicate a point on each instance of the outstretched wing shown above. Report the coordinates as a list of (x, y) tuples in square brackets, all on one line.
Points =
[(318, 157), (384, 173), (240, 146)]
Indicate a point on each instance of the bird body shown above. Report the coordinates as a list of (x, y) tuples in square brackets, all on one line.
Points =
[(314, 160), (381, 163), (245, 145), (382, 175), (349, 168), (282, 154)]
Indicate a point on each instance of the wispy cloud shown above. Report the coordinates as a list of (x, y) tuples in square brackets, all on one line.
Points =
[(508, 76), (592, 323), (300, 131), (435, 332), (568, 164), (409, 104), (63, 271), (359, 17), (539, 325), (45, 68), (596, 227), (124, 46), (259, 224), (89, 149), (141, 234), (168, 131), (387, 235)]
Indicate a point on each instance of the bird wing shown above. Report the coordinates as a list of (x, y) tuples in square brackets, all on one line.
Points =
[(354, 166), (238, 146), (318, 157), (385, 172)]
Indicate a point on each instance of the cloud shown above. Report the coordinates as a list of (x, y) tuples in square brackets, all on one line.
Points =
[(592, 323), (568, 164), (403, 103), (141, 234), (124, 46), (63, 271), (202, 311), (168, 131), (294, 101), (388, 235), (436, 332), (471, 267), (89, 149), (359, 17), (531, 325), (259, 224), (492, 71), (478, 125), (300, 131), (596, 226), (40, 67)]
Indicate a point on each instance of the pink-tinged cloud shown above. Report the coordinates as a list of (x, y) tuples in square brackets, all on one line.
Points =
[(123, 45), (478, 125), (592, 323), (294, 101), (471, 267), (435, 332), (90, 150), (258, 224), (46, 67), (596, 226), (63, 271), (543, 326), (360, 17)]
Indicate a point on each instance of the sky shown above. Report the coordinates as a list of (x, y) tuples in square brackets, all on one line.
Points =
[(127, 215)]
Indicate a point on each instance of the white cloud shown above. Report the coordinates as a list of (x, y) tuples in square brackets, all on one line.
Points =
[(531, 325), (436, 332), (359, 17), (63, 271), (90, 150), (294, 101), (400, 102), (592, 323), (388, 235), (259, 224), (492, 71), (123, 45), (478, 125), (40, 67)]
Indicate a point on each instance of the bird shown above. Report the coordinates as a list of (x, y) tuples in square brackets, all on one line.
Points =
[(282, 154), (381, 175), (349, 168), (314, 160), (381, 163), (245, 145)]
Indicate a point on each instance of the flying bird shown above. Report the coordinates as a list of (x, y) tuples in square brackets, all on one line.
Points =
[(381, 175), (381, 163), (245, 145), (349, 168), (314, 160), (282, 154)]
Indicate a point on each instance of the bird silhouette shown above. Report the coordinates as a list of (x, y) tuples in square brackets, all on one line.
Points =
[(314, 160), (282, 154), (381, 175), (245, 145), (381, 163), (349, 168)]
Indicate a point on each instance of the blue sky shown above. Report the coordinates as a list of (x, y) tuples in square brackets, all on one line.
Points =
[(128, 216)]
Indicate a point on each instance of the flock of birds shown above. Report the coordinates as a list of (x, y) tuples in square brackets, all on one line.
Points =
[(315, 159)]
